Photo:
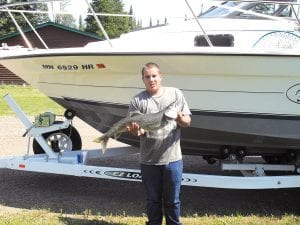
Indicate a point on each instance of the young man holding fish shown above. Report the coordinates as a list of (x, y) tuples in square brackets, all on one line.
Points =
[(160, 152)]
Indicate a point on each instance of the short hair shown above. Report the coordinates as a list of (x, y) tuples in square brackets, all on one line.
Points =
[(149, 65)]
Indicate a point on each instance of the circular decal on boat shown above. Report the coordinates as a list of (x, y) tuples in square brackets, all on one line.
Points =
[(293, 93)]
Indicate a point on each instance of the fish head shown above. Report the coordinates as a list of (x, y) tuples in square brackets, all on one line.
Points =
[(166, 120), (171, 111)]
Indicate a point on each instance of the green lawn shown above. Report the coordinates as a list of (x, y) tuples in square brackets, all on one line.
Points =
[(38, 217), (31, 101)]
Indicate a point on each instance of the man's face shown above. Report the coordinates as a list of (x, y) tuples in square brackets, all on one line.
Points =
[(152, 80)]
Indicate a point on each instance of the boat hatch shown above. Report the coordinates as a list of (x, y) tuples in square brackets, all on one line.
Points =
[(221, 40)]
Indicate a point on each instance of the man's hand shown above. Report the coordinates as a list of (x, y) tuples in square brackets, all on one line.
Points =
[(183, 120), (134, 128)]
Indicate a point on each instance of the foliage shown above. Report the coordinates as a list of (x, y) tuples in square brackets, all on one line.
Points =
[(65, 19), (31, 101), (114, 26), (6, 24), (5, 29)]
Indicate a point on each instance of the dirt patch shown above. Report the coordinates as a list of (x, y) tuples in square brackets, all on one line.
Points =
[(27, 190)]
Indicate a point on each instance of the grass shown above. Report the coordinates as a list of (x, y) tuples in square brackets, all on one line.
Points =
[(37, 217), (31, 101), (34, 102)]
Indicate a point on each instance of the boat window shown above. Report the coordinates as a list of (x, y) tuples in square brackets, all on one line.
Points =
[(216, 11), (285, 11), (267, 9), (272, 9)]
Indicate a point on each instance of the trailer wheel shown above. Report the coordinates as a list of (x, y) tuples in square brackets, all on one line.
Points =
[(60, 141)]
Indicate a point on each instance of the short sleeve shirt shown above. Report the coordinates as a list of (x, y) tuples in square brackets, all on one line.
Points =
[(161, 146)]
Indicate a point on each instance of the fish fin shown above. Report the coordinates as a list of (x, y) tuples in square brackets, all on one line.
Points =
[(116, 136), (103, 141), (135, 114), (104, 145)]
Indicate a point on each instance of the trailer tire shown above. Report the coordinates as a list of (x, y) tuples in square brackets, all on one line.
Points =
[(62, 140)]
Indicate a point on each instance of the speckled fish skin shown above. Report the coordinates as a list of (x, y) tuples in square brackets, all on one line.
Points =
[(149, 122)]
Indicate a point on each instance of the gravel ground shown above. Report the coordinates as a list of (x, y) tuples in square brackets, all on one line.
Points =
[(68, 194)]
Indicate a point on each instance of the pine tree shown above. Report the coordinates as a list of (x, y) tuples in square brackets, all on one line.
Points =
[(132, 22), (6, 24), (114, 26), (81, 27)]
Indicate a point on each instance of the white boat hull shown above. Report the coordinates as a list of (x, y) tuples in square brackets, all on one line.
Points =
[(238, 100)]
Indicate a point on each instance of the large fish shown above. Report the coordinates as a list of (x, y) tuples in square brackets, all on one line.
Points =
[(148, 122)]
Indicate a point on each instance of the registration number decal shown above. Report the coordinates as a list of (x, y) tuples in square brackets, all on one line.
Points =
[(74, 67)]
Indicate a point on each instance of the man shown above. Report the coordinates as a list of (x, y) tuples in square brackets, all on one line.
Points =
[(160, 152)]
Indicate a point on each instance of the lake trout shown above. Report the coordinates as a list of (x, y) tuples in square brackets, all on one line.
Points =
[(148, 122)]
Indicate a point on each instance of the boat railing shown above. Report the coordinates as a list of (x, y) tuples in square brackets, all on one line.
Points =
[(279, 39), (7, 8)]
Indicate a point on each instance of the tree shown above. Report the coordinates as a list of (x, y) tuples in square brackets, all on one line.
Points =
[(139, 23), (4, 28), (80, 27), (114, 26), (132, 21), (65, 19), (6, 24)]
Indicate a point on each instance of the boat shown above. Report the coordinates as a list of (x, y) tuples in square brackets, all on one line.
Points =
[(244, 100)]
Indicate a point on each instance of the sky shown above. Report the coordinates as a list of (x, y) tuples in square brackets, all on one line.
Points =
[(154, 9)]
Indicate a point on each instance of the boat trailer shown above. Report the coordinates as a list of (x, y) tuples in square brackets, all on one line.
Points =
[(75, 163)]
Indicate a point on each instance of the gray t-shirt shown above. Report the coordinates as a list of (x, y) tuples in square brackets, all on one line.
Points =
[(161, 146)]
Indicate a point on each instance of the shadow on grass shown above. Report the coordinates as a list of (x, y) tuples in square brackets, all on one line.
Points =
[(75, 221)]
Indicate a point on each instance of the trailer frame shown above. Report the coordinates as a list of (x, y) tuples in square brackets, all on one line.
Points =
[(75, 163)]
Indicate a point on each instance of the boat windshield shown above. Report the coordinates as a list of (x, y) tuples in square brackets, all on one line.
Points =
[(272, 9)]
